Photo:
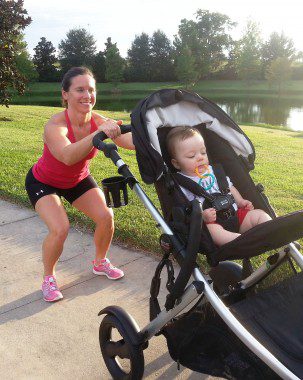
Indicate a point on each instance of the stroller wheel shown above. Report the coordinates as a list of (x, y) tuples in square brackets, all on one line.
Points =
[(123, 359)]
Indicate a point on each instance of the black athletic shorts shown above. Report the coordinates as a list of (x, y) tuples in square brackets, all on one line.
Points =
[(36, 189)]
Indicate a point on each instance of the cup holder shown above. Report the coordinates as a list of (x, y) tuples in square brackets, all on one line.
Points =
[(115, 191)]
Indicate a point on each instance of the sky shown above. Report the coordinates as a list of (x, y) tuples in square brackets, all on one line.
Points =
[(122, 20)]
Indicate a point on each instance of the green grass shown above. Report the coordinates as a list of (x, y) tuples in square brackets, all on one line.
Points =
[(279, 166)]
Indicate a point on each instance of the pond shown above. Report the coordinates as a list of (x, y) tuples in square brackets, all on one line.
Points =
[(285, 112), (274, 111)]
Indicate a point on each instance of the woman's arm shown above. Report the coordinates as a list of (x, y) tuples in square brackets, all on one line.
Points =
[(125, 141), (55, 136)]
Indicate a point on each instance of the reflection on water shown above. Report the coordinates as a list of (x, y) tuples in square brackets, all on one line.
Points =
[(116, 104), (273, 111), (284, 112)]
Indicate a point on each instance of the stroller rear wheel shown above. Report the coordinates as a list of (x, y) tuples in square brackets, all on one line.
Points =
[(123, 359)]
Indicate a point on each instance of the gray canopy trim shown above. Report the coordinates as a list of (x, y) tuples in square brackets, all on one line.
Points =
[(190, 114)]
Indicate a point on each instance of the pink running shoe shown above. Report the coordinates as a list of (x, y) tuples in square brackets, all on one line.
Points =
[(107, 269), (50, 289)]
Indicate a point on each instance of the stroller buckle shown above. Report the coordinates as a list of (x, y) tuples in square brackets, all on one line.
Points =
[(226, 214)]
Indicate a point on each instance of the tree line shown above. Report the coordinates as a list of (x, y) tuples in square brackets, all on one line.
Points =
[(202, 49)]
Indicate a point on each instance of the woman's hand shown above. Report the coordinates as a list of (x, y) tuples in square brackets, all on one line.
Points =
[(111, 128), (244, 203), (209, 215)]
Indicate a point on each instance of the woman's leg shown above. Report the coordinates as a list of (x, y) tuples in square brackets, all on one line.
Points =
[(253, 218), (51, 211), (219, 235), (92, 204)]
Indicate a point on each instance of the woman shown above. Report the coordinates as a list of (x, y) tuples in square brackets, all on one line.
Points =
[(63, 171)]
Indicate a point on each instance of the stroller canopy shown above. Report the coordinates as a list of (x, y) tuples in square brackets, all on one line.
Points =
[(171, 108)]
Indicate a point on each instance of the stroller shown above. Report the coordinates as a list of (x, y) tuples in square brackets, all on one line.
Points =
[(241, 325)]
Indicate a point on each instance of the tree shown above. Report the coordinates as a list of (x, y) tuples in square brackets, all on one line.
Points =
[(78, 49), (249, 53), (278, 72), (99, 67), (161, 51), (186, 69), (108, 44), (229, 68), (44, 60), (208, 39), (13, 21), (139, 59), (26, 66), (24, 61), (114, 64), (278, 46)]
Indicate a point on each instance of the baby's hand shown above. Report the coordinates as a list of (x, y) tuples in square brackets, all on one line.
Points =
[(209, 215), (246, 204)]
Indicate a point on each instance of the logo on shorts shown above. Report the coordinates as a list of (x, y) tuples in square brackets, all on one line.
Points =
[(40, 192)]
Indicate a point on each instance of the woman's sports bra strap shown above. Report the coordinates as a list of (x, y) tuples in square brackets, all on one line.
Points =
[(70, 134)]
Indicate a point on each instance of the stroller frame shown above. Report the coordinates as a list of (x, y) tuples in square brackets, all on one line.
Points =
[(131, 333)]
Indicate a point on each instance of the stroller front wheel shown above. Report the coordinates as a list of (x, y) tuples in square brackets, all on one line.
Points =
[(123, 359)]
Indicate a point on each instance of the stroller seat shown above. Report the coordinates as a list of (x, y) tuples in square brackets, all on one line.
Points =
[(260, 239), (227, 145)]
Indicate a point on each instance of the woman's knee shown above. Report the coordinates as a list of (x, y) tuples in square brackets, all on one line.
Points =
[(106, 218), (60, 230)]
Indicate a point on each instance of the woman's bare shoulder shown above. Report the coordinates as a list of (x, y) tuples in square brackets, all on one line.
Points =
[(56, 120)]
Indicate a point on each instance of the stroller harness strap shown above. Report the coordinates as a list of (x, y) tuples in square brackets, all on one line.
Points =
[(196, 189), (222, 202)]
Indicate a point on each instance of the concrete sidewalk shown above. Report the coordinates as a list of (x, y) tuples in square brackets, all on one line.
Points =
[(39, 340)]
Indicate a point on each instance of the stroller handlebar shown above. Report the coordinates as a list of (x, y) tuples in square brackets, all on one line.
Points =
[(99, 137)]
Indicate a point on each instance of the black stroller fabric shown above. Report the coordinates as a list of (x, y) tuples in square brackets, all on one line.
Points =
[(264, 237), (201, 341), (275, 317)]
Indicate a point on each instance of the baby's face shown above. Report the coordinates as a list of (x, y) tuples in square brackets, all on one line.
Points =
[(190, 155)]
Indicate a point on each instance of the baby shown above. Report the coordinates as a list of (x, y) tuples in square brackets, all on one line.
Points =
[(188, 154)]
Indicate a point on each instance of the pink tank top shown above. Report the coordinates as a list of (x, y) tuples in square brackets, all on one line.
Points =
[(55, 173)]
